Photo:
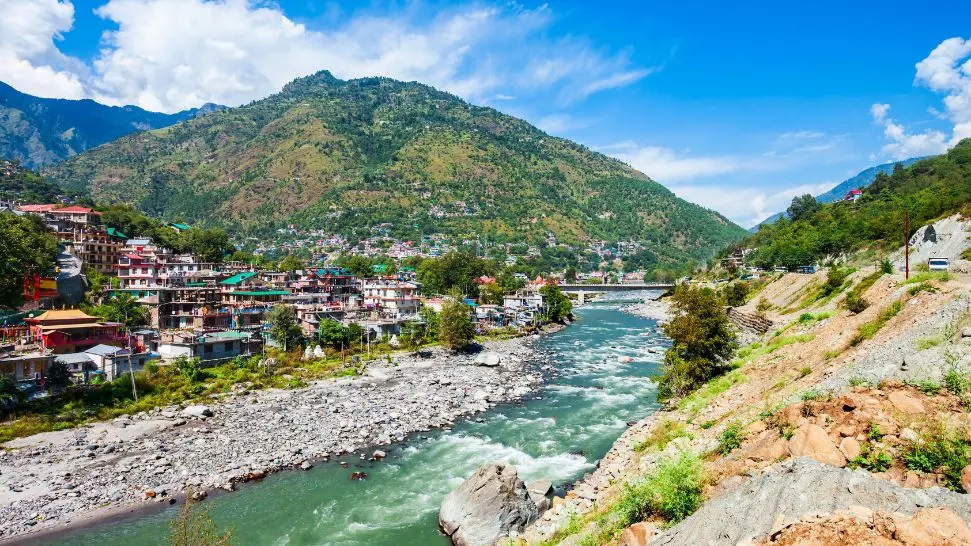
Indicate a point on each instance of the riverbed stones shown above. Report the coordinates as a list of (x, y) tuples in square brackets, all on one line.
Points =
[(489, 359), (250, 435), (491, 504)]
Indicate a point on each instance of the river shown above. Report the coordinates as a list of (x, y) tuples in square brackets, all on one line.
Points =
[(558, 434)]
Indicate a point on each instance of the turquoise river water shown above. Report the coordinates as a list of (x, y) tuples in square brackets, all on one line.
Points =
[(558, 434)]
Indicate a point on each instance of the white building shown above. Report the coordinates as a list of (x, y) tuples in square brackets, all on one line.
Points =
[(392, 299)]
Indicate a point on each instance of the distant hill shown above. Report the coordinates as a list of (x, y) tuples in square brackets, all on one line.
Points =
[(345, 156), (25, 186), (861, 180), (38, 131), (929, 188)]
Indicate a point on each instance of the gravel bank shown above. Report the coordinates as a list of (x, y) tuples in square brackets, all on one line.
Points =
[(56, 478), (659, 310)]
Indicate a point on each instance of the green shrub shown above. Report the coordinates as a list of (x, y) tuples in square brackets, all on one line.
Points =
[(956, 382), (886, 267), (672, 491), (730, 438), (856, 303), (942, 452), (922, 287), (708, 424), (661, 435), (874, 433), (926, 386), (805, 371), (869, 329), (874, 461)]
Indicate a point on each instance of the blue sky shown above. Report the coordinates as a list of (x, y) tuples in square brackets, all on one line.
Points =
[(736, 106)]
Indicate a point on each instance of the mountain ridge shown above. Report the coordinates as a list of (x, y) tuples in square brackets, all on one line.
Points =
[(41, 131), (348, 155), (861, 180)]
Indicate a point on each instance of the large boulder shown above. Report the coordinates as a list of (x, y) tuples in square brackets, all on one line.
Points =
[(490, 360), (812, 441), (197, 411), (493, 503)]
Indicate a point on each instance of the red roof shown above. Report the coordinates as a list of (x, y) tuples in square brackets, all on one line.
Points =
[(77, 209), (856, 192), (36, 208)]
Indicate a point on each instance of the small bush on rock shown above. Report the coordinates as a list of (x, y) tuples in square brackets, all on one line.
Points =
[(672, 491)]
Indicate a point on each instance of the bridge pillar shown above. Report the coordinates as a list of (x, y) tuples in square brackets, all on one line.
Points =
[(580, 295)]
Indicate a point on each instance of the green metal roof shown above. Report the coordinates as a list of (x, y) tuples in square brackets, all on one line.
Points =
[(379, 268), (112, 232), (194, 284), (225, 336), (238, 278), (259, 293), (180, 227)]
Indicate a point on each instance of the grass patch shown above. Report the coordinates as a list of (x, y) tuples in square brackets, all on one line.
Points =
[(925, 276), (661, 435), (857, 381), (869, 329), (804, 371), (956, 382), (707, 424), (927, 387), (696, 401), (814, 395), (925, 343), (672, 492), (748, 354), (922, 287)]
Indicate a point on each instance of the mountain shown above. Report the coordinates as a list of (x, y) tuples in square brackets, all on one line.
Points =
[(38, 131), (928, 189), (346, 156), (860, 181)]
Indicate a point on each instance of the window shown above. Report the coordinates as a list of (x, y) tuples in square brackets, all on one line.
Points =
[(228, 347)]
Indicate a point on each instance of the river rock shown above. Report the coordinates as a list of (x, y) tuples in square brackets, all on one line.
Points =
[(491, 504), (197, 411), (487, 359)]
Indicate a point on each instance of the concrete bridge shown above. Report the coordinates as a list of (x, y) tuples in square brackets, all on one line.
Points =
[(582, 289)]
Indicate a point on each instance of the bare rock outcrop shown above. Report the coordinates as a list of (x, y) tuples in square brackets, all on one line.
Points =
[(792, 490), (493, 503)]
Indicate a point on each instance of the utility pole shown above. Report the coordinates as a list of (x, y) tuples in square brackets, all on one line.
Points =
[(906, 244)]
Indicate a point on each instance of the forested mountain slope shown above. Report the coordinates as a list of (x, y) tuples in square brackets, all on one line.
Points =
[(347, 155), (38, 131), (930, 188)]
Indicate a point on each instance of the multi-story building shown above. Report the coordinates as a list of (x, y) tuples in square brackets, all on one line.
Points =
[(71, 331), (392, 299)]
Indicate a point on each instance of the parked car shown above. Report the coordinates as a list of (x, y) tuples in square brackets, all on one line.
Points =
[(938, 264)]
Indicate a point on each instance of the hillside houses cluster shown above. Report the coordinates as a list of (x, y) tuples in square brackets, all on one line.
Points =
[(210, 311)]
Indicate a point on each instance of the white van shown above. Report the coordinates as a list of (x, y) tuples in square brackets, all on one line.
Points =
[(938, 264)]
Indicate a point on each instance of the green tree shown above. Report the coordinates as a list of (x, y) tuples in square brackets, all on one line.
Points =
[(415, 336), (291, 263), (125, 309), (453, 271), (9, 393), (570, 275), (508, 282), (211, 245), (802, 206), (331, 333), (456, 330), (284, 327), (189, 368), (359, 266), (491, 293), (26, 248), (432, 322), (702, 341), (57, 376), (558, 305), (736, 293)]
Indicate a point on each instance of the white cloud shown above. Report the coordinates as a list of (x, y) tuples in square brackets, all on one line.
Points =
[(802, 135), (555, 123), (29, 59), (173, 54), (747, 206), (904, 145), (946, 70)]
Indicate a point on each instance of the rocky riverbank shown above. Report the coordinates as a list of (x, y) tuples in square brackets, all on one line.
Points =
[(59, 478), (659, 310)]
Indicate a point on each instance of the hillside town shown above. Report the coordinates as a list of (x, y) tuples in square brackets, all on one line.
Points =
[(215, 311)]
